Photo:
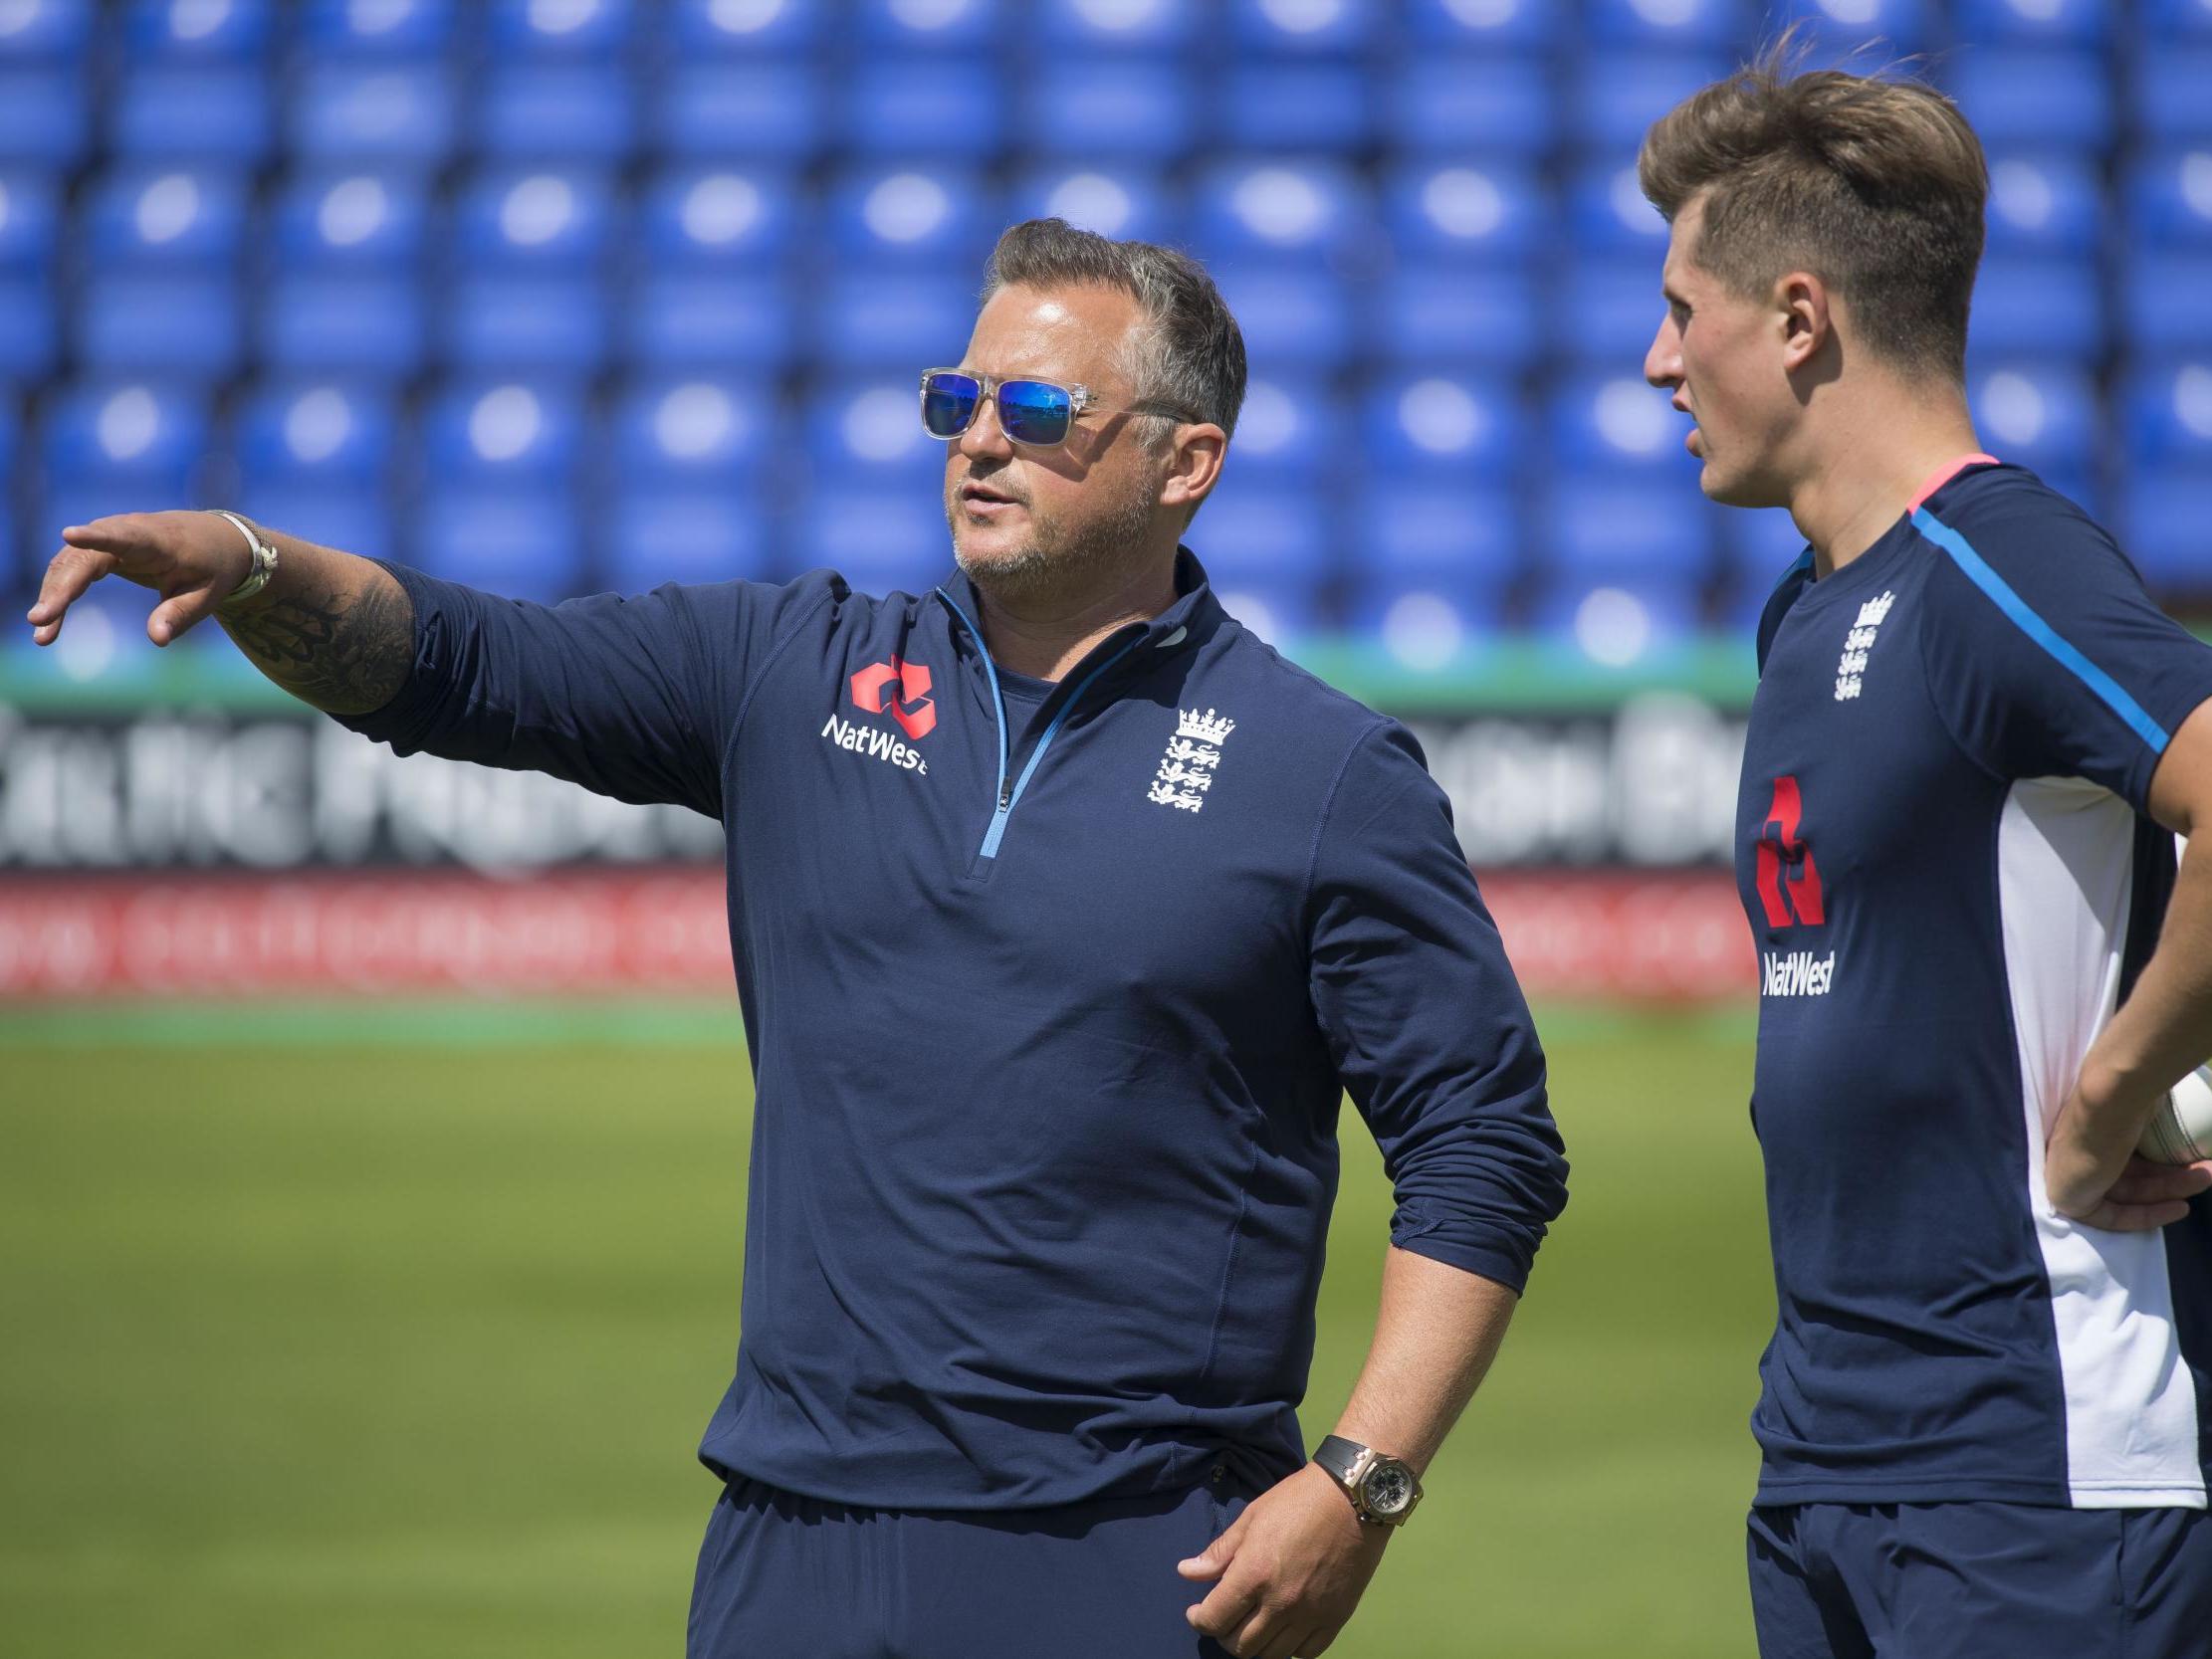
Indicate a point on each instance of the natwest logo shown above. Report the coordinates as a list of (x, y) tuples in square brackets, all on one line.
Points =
[(901, 689), (1789, 879)]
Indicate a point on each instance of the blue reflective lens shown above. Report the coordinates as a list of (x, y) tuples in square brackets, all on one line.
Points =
[(948, 403), (1033, 411)]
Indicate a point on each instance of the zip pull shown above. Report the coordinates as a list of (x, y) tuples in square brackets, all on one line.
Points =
[(1005, 794)]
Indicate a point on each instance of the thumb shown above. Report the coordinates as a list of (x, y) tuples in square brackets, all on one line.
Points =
[(178, 612), (1214, 1561)]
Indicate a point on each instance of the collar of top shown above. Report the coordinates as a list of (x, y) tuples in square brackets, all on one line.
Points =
[(1195, 615)]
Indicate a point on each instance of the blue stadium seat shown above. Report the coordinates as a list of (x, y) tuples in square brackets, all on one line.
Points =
[(369, 323), (866, 432), (362, 220), (2169, 199), (47, 32), (1147, 26), (690, 505), (1480, 210), (2045, 204), (2168, 101), (194, 113), (947, 106), (1289, 209), (1424, 622), (1432, 315), (1609, 215), (118, 446), (569, 110), (881, 542), (2169, 415), (932, 25), (540, 217), (30, 218), (1108, 109), (1759, 545), (732, 218), (1606, 312), (1484, 24), (1619, 622), (1111, 200), (714, 290), (526, 321), (170, 215), (2055, 22), (2033, 306), (1439, 532), (1457, 107), (528, 291), (2018, 97), (744, 26), (1600, 525), (865, 316), (1293, 314), (2162, 302), (1290, 429), (2177, 19), (2164, 529), (30, 330), (1614, 94), (1331, 28), (204, 30), (502, 511), (921, 216), (1280, 604), (2043, 416), (576, 28), (315, 459), (1671, 23), (1296, 106), (1615, 423), (1856, 34), (45, 115), (377, 28), (1459, 427), (153, 320), (396, 111)]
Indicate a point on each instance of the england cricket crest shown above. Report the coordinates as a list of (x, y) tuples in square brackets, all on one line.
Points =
[(1186, 771)]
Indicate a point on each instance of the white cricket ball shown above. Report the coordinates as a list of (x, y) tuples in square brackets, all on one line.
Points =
[(2181, 1131)]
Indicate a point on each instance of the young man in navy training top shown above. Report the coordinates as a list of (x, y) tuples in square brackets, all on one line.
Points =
[(1985, 1407), (1063, 909)]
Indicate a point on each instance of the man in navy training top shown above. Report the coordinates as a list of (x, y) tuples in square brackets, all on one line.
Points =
[(1985, 1407), (1063, 912)]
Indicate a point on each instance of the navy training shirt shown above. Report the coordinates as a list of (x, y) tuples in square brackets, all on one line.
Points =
[(1943, 853), (1050, 998)]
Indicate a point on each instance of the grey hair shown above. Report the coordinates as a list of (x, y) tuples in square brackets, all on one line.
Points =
[(1190, 356)]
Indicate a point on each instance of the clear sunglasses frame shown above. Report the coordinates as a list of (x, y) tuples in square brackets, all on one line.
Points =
[(1079, 402)]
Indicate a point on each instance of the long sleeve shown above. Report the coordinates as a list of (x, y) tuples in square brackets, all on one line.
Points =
[(1425, 1022), (633, 698)]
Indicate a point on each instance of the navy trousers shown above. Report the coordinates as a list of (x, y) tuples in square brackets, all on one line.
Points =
[(782, 1574), (1974, 1580)]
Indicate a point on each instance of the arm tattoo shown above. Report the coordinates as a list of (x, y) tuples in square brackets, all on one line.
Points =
[(346, 654)]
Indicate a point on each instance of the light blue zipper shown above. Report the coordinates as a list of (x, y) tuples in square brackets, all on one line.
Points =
[(1008, 797)]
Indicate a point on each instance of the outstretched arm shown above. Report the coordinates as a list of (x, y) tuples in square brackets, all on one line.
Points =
[(1292, 1567), (334, 630)]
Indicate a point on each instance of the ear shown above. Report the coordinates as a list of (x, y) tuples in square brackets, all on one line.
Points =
[(1194, 465), (1805, 316)]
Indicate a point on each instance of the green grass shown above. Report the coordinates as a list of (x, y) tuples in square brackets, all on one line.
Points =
[(402, 1348)]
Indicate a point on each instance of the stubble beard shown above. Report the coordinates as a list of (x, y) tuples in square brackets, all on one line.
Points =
[(1056, 555)]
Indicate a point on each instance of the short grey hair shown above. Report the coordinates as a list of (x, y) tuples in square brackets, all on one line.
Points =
[(1190, 356)]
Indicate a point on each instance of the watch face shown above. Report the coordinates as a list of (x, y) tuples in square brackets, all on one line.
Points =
[(1389, 1488)]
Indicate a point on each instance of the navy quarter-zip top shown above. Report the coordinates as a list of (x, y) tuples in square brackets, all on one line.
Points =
[(1052, 992)]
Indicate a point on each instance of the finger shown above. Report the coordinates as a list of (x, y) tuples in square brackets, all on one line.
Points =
[(1288, 1643), (1214, 1559), (178, 612), (1319, 1641), (1257, 1636), (1228, 1605), (118, 533), (2135, 1218), (68, 575)]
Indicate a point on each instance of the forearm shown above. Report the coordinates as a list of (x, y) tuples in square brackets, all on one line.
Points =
[(1436, 1333), (2161, 1031), (334, 630)]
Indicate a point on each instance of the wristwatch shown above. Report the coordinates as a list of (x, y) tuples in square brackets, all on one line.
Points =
[(265, 558), (1383, 1489)]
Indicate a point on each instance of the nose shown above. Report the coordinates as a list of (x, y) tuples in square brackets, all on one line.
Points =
[(1662, 361), (985, 437)]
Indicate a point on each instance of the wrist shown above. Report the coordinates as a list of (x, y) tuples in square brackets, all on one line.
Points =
[(1383, 1490), (262, 556)]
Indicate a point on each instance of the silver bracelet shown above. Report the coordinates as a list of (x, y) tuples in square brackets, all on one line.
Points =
[(265, 558)]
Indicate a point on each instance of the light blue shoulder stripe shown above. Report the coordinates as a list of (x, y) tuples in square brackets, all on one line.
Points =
[(2024, 617)]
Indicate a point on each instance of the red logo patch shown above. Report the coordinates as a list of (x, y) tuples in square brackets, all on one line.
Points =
[(1789, 879), (910, 704)]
